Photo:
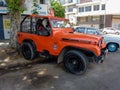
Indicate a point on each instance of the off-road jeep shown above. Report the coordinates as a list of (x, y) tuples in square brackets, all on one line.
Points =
[(48, 36)]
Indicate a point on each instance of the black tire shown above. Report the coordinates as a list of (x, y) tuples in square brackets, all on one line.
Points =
[(28, 51), (75, 62)]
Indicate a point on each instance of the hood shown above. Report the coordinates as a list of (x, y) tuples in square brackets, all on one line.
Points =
[(111, 38), (77, 36), (111, 35)]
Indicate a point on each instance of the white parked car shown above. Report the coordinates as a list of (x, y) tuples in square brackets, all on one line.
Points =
[(110, 30), (112, 41)]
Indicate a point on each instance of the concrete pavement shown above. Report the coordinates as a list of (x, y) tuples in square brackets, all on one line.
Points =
[(9, 60), (50, 76)]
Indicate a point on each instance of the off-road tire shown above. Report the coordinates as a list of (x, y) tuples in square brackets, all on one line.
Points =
[(75, 62), (28, 51)]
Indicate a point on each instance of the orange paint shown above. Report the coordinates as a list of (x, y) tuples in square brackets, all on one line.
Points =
[(61, 38)]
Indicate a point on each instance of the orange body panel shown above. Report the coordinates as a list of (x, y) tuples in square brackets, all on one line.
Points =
[(61, 38)]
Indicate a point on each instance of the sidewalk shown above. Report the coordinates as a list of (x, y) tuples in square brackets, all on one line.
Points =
[(10, 60)]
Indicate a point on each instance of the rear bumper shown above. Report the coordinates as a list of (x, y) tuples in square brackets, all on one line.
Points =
[(102, 57)]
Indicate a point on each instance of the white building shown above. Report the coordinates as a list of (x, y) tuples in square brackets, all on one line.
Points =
[(70, 10), (93, 12), (43, 9)]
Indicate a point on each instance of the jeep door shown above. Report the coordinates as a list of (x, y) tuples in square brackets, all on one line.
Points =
[(44, 38)]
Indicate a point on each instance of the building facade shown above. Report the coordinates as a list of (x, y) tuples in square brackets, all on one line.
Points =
[(43, 9), (97, 13)]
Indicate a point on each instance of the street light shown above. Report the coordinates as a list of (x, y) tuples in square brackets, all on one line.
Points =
[(105, 15)]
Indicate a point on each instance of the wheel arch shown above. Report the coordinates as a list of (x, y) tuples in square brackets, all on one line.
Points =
[(30, 41), (65, 49)]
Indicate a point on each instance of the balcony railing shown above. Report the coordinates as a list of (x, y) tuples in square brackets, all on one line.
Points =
[(69, 2), (70, 10), (86, 1)]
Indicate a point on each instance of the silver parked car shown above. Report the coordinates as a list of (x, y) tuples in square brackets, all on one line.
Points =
[(112, 41), (110, 30)]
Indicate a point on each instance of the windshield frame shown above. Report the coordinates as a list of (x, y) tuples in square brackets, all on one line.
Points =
[(60, 23)]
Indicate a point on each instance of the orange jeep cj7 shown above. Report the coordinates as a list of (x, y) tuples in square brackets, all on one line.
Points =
[(49, 36)]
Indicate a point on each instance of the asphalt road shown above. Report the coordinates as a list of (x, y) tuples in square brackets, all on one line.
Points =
[(50, 76)]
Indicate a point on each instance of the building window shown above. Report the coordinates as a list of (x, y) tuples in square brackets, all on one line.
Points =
[(96, 7), (103, 6), (83, 19), (81, 9), (70, 1), (95, 18), (88, 8), (70, 9), (42, 2)]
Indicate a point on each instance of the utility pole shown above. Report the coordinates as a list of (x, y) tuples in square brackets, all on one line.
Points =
[(105, 14)]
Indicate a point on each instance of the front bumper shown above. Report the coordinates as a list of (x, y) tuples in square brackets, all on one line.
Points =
[(102, 57)]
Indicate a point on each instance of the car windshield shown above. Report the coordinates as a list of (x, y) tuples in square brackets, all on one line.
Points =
[(56, 23), (88, 30), (96, 31)]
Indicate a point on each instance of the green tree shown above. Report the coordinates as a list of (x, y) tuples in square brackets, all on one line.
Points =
[(15, 8), (59, 10)]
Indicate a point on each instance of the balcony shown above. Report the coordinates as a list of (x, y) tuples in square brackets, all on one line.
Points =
[(70, 2), (71, 11), (88, 2)]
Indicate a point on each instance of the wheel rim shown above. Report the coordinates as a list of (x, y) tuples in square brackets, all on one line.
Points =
[(112, 47), (26, 51), (74, 64)]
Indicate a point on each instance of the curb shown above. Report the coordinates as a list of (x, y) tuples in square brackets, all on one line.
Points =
[(5, 66), (21, 62)]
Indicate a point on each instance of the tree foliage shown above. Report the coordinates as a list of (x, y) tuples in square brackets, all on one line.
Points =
[(59, 10), (15, 5), (35, 4)]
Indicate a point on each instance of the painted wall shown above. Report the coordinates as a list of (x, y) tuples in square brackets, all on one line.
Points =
[(116, 22), (113, 7), (42, 8), (1, 28)]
